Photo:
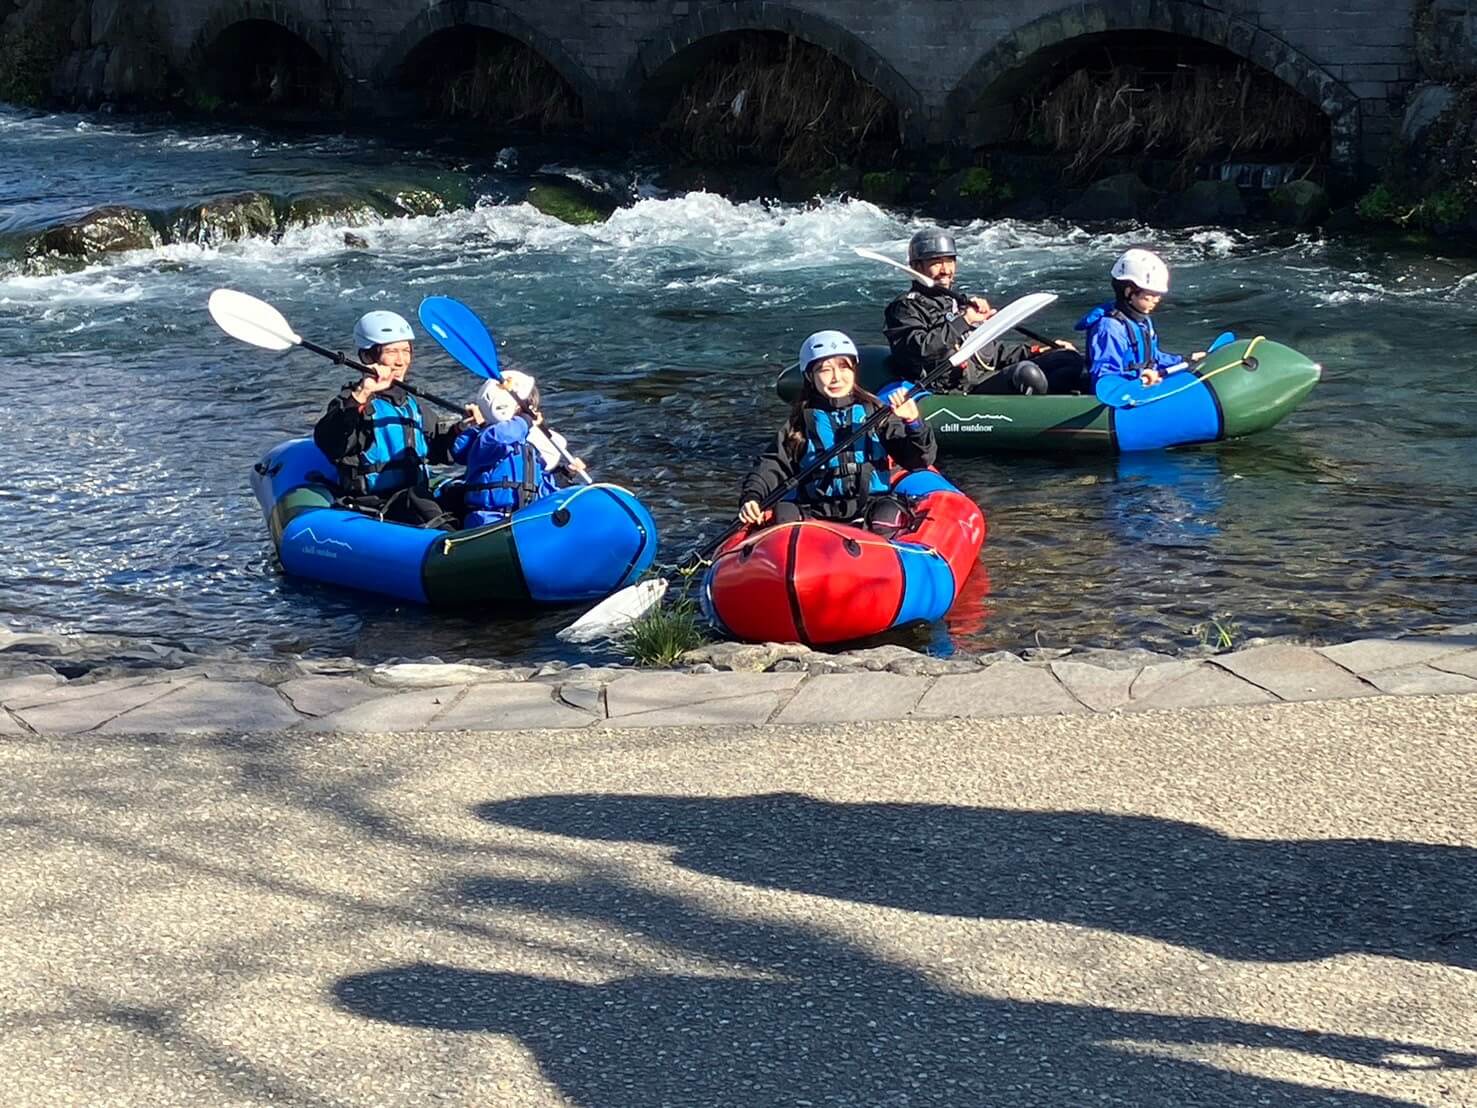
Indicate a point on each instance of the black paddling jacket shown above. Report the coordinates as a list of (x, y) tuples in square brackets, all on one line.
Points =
[(347, 433), (924, 326), (843, 489)]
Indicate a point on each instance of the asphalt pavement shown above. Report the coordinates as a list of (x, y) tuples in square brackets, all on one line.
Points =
[(1272, 904)]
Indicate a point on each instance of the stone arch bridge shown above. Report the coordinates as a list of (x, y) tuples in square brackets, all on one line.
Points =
[(943, 64)]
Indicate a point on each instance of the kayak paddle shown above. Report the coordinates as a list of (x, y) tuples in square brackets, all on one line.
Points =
[(255, 321), (466, 338), (617, 612), (1129, 392), (960, 298)]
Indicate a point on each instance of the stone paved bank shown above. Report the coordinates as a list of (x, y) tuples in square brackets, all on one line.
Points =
[(725, 684)]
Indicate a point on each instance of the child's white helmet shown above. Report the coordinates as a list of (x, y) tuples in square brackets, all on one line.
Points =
[(496, 403), (1143, 269), (825, 344)]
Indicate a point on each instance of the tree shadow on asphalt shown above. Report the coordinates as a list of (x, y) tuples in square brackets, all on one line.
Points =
[(787, 1016), (1182, 883)]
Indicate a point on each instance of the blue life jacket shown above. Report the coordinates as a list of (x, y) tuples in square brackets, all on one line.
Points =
[(396, 459), (1145, 340), (502, 476), (851, 475)]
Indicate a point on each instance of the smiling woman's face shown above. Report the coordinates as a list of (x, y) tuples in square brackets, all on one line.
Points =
[(835, 376)]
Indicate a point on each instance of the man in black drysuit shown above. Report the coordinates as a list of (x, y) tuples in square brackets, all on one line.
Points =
[(925, 325)]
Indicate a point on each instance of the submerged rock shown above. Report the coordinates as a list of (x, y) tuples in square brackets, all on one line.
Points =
[(412, 201), (225, 219), (329, 207), (970, 194), (572, 203), (101, 231), (1121, 196), (890, 187), (1203, 202), (1299, 204)]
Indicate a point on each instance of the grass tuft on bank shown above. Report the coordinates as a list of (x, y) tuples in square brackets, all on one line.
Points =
[(665, 633)]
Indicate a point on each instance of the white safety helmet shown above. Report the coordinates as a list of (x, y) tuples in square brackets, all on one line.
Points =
[(1143, 269), (496, 403), (523, 386), (381, 329), (825, 344)]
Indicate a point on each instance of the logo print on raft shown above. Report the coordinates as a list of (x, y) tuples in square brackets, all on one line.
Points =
[(980, 422), (318, 545)]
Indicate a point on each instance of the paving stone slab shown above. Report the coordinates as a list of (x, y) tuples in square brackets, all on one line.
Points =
[(586, 697), (1367, 656), (208, 706), (1101, 689), (1194, 684), (1422, 680), (509, 707), (1464, 663), (1294, 673), (1134, 659), (647, 692), (17, 689), (434, 675), (70, 708), (1001, 690), (322, 696), (411, 710), (841, 697)]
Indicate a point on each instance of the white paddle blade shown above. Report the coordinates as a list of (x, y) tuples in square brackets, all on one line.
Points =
[(616, 612), (251, 320), (874, 256), (1017, 311)]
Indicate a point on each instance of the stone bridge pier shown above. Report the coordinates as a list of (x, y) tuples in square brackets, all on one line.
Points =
[(949, 68)]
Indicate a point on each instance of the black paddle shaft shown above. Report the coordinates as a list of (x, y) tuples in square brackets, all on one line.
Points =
[(873, 421), (963, 298), (343, 359)]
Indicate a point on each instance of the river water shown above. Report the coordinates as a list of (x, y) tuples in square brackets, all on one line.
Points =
[(131, 422)]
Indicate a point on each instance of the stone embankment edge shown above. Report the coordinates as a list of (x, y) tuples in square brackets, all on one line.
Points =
[(727, 684)]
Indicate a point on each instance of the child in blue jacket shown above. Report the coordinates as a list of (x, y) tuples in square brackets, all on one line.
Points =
[(1120, 336), (510, 460)]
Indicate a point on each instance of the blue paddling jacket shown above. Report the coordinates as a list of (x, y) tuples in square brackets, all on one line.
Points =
[(504, 470), (1122, 343)]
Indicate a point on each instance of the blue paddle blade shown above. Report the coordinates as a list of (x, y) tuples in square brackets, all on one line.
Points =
[(1225, 338), (1120, 392), (457, 328)]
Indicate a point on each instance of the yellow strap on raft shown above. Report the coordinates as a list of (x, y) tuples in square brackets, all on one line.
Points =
[(1243, 360)]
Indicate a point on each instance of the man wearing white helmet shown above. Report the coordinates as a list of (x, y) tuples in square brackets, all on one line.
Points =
[(1121, 341), (852, 487), (373, 431), (926, 324)]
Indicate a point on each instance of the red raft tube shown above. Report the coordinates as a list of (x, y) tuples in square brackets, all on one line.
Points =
[(819, 583)]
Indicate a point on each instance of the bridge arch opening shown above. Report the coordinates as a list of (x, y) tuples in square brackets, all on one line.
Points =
[(262, 65), (1154, 95), (483, 76), (1171, 98), (770, 98)]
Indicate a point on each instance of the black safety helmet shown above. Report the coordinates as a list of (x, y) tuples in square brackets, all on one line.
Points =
[(932, 243)]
